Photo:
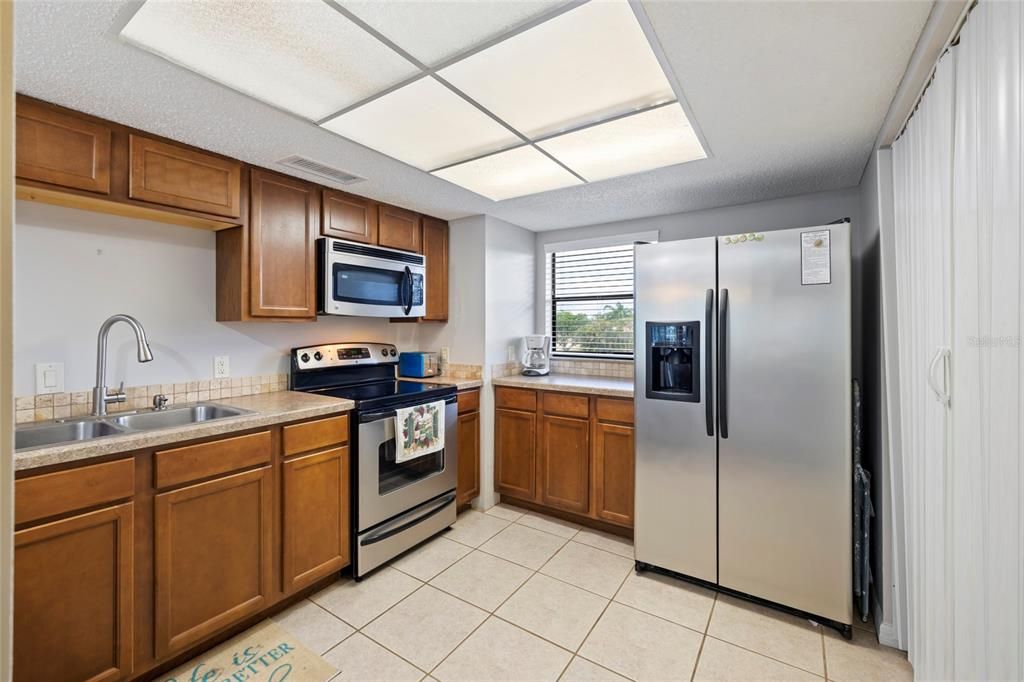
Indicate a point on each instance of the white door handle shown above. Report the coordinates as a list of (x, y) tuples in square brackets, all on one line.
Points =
[(941, 354)]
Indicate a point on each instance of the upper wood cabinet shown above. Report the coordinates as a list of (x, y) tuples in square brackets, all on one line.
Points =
[(315, 506), (213, 557), (62, 149), (435, 248), (73, 598), (399, 229), (284, 222), (347, 216), (168, 174)]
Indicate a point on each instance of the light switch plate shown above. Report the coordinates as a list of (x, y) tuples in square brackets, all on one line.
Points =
[(221, 367), (49, 377)]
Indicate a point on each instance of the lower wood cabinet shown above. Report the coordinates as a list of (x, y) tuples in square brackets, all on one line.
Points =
[(73, 598), (467, 485), (315, 513), (565, 463), (567, 452), (213, 556), (515, 454)]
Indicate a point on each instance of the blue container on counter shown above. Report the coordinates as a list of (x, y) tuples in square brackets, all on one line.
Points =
[(418, 364)]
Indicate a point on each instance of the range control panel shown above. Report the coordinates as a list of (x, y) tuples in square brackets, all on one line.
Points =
[(344, 355)]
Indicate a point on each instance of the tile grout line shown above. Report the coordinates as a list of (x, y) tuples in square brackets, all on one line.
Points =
[(704, 637), (764, 655), (824, 655)]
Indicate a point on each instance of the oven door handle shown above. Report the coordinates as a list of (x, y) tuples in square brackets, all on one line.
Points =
[(377, 416), (387, 531)]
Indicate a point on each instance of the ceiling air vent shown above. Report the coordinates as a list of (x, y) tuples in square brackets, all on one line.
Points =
[(305, 165)]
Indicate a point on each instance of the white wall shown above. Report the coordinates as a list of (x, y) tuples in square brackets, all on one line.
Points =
[(798, 211), (75, 268)]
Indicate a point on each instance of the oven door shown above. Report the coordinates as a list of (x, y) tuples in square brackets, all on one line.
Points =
[(371, 286), (388, 489)]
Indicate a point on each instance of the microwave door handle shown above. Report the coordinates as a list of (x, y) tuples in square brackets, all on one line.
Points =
[(407, 297)]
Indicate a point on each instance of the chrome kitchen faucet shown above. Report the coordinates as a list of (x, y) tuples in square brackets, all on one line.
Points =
[(100, 397)]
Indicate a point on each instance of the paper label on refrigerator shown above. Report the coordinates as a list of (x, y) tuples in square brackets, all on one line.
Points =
[(815, 257)]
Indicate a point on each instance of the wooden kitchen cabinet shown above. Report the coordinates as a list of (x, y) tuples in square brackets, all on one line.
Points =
[(213, 557), (515, 454), (347, 216), (467, 485), (173, 175), (398, 228), (565, 463), (284, 223), (73, 607), (315, 508), (62, 149), (435, 248), (614, 474)]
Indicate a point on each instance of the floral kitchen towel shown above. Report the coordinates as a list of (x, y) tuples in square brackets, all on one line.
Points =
[(419, 430)]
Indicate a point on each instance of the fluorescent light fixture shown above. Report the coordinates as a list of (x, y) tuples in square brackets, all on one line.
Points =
[(632, 144), (512, 173), (301, 56), (440, 29), (582, 66), (424, 124)]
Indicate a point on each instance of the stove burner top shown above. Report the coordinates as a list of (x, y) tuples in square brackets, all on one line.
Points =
[(382, 394)]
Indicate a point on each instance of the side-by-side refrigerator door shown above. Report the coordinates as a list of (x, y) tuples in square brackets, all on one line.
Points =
[(675, 418), (784, 456)]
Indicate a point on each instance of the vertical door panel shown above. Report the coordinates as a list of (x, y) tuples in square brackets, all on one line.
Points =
[(785, 468), (675, 457)]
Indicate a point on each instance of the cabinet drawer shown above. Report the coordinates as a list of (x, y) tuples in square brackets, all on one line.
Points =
[(47, 495), (167, 174), (315, 435), (515, 398), (566, 404), (194, 462), (610, 410), (469, 401)]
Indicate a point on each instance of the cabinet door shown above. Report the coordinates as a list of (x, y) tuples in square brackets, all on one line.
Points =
[(515, 442), (435, 248), (283, 226), (316, 517), (213, 557), (467, 485), (347, 216), (73, 598), (60, 149), (399, 229), (565, 462), (613, 473), (171, 175)]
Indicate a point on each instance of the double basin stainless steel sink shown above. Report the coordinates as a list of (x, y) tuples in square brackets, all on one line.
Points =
[(31, 436)]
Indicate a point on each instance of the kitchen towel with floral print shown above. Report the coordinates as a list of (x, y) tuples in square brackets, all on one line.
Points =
[(419, 430)]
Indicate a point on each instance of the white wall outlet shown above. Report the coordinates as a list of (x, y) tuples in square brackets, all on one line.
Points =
[(510, 355), (50, 377), (221, 367)]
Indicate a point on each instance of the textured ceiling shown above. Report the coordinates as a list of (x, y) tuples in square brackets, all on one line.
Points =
[(788, 96)]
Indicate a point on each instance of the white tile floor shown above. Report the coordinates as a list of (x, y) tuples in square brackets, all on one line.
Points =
[(509, 595)]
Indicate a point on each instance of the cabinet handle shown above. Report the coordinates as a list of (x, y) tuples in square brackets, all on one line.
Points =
[(709, 411), (941, 394)]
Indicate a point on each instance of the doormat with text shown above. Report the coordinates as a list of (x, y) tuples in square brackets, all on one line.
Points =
[(265, 653)]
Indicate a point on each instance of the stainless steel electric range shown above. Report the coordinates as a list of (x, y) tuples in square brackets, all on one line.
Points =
[(395, 505)]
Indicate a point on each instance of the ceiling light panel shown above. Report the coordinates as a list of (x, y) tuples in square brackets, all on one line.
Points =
[(424, 124), (589, 63), (632, 144), (302, 56), (435, 31), (508, 174)]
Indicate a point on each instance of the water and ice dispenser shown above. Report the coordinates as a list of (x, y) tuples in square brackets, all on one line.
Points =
[(673, 361)]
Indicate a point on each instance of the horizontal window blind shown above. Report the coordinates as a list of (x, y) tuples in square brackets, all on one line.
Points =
[(592, 301)]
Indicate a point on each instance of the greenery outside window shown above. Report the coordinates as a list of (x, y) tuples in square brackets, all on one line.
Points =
[(591, 294)]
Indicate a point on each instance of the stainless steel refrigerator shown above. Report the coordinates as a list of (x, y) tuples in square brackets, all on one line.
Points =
[(743, 434)]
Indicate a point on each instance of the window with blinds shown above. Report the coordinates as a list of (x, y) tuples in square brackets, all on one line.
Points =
[(592, 301)]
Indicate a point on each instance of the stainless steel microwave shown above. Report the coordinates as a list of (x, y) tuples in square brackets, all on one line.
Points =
[(369, 281)]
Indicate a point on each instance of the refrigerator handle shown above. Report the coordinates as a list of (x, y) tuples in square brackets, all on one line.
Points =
[(723, 352), (709, 411)]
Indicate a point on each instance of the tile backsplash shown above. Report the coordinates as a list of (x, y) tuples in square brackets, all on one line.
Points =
[(598, 368), (45, 406), (459, 370)]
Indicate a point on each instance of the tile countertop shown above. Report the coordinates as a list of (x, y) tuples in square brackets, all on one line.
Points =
[(267, 409), (460, 384), (577, 383)]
